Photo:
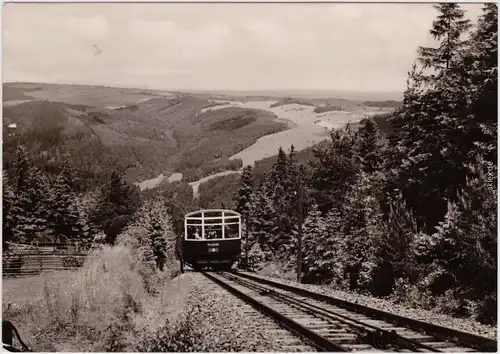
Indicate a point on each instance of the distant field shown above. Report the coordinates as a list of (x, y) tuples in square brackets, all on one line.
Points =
[(95, 96), (308, 127)]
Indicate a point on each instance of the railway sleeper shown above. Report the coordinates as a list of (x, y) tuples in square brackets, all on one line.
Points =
[(288, 341), (439, 345), (326, 330), (417, 337), (298, 348), (344, 338), (460, 350), (360, 347)]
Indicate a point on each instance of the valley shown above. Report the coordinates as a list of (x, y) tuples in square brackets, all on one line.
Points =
[(161, 137)]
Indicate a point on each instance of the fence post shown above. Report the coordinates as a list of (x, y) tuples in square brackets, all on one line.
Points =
[(40, 258)]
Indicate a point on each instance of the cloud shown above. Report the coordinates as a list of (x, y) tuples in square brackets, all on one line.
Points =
[(90, 27), (217, 46)]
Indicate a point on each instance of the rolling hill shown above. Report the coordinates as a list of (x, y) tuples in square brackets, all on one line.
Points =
[(144, 132)]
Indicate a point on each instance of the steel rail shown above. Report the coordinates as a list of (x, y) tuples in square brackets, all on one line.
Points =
[(480, 343), (377, 336), (320, 342)]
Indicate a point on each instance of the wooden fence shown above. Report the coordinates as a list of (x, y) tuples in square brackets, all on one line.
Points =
[(26, 260)]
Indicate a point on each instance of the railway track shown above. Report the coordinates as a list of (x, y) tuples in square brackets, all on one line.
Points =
[(333, 325)]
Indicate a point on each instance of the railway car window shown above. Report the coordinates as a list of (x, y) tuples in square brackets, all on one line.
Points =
[(232, 231), (213, 221), (211, 214), (194, 221), (213, 232), (194, 232)]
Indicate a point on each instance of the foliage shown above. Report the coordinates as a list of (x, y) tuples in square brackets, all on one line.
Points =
[(327, 108), (218, 192), (243, 199), (291, 100), (383, 104), (117, 204), (412, 217), (334, 169)]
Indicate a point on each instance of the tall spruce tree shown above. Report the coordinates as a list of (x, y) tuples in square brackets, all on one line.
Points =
[(64, 215), (466, 241), (10, 211), (430, 142), (32, 197), (483, 63), (393, 248), (313, 241), (369, 151), (334, 169), (154, 218), (116, 207), (243, 199), (448, 29), (262, 223)]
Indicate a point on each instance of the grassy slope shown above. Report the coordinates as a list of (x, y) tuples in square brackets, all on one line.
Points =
[(91, 310)]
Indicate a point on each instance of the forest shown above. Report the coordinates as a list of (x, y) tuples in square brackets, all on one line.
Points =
[(412, 216)]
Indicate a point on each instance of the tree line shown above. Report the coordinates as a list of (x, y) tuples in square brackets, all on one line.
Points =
[(41, 207), (414, 216)]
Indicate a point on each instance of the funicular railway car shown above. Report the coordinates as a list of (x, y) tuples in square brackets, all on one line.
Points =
[(212, 239)]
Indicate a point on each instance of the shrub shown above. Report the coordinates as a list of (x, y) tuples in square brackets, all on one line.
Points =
[(206, 321), (73, 261), (486, 312)]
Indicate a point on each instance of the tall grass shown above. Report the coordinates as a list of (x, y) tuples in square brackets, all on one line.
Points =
[(104, 306)]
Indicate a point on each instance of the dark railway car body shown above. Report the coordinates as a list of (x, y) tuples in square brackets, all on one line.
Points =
[(212, 239)]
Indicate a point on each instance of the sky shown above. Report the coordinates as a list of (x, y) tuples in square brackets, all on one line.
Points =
[(321, 46)]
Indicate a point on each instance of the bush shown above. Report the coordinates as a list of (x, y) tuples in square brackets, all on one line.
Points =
[(486, 312), (206, 321), (73, 261)]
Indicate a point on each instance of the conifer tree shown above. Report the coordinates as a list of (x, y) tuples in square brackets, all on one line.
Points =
[(369, 152), (466, 241), (335, 251), (447, 28), (31, 203), (334, 169), (393, 247), (483, 63), (116, 207), (430, 143), (362, 227), (155, 220), (263, 217), (21, 167), (313, 241), (64, 215), (243, 199), (9, 209)]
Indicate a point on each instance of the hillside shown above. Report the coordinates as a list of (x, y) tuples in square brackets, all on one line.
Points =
[(143, 132), (151, 134)]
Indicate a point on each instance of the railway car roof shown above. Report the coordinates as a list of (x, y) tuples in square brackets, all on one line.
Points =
[(227, 212)]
